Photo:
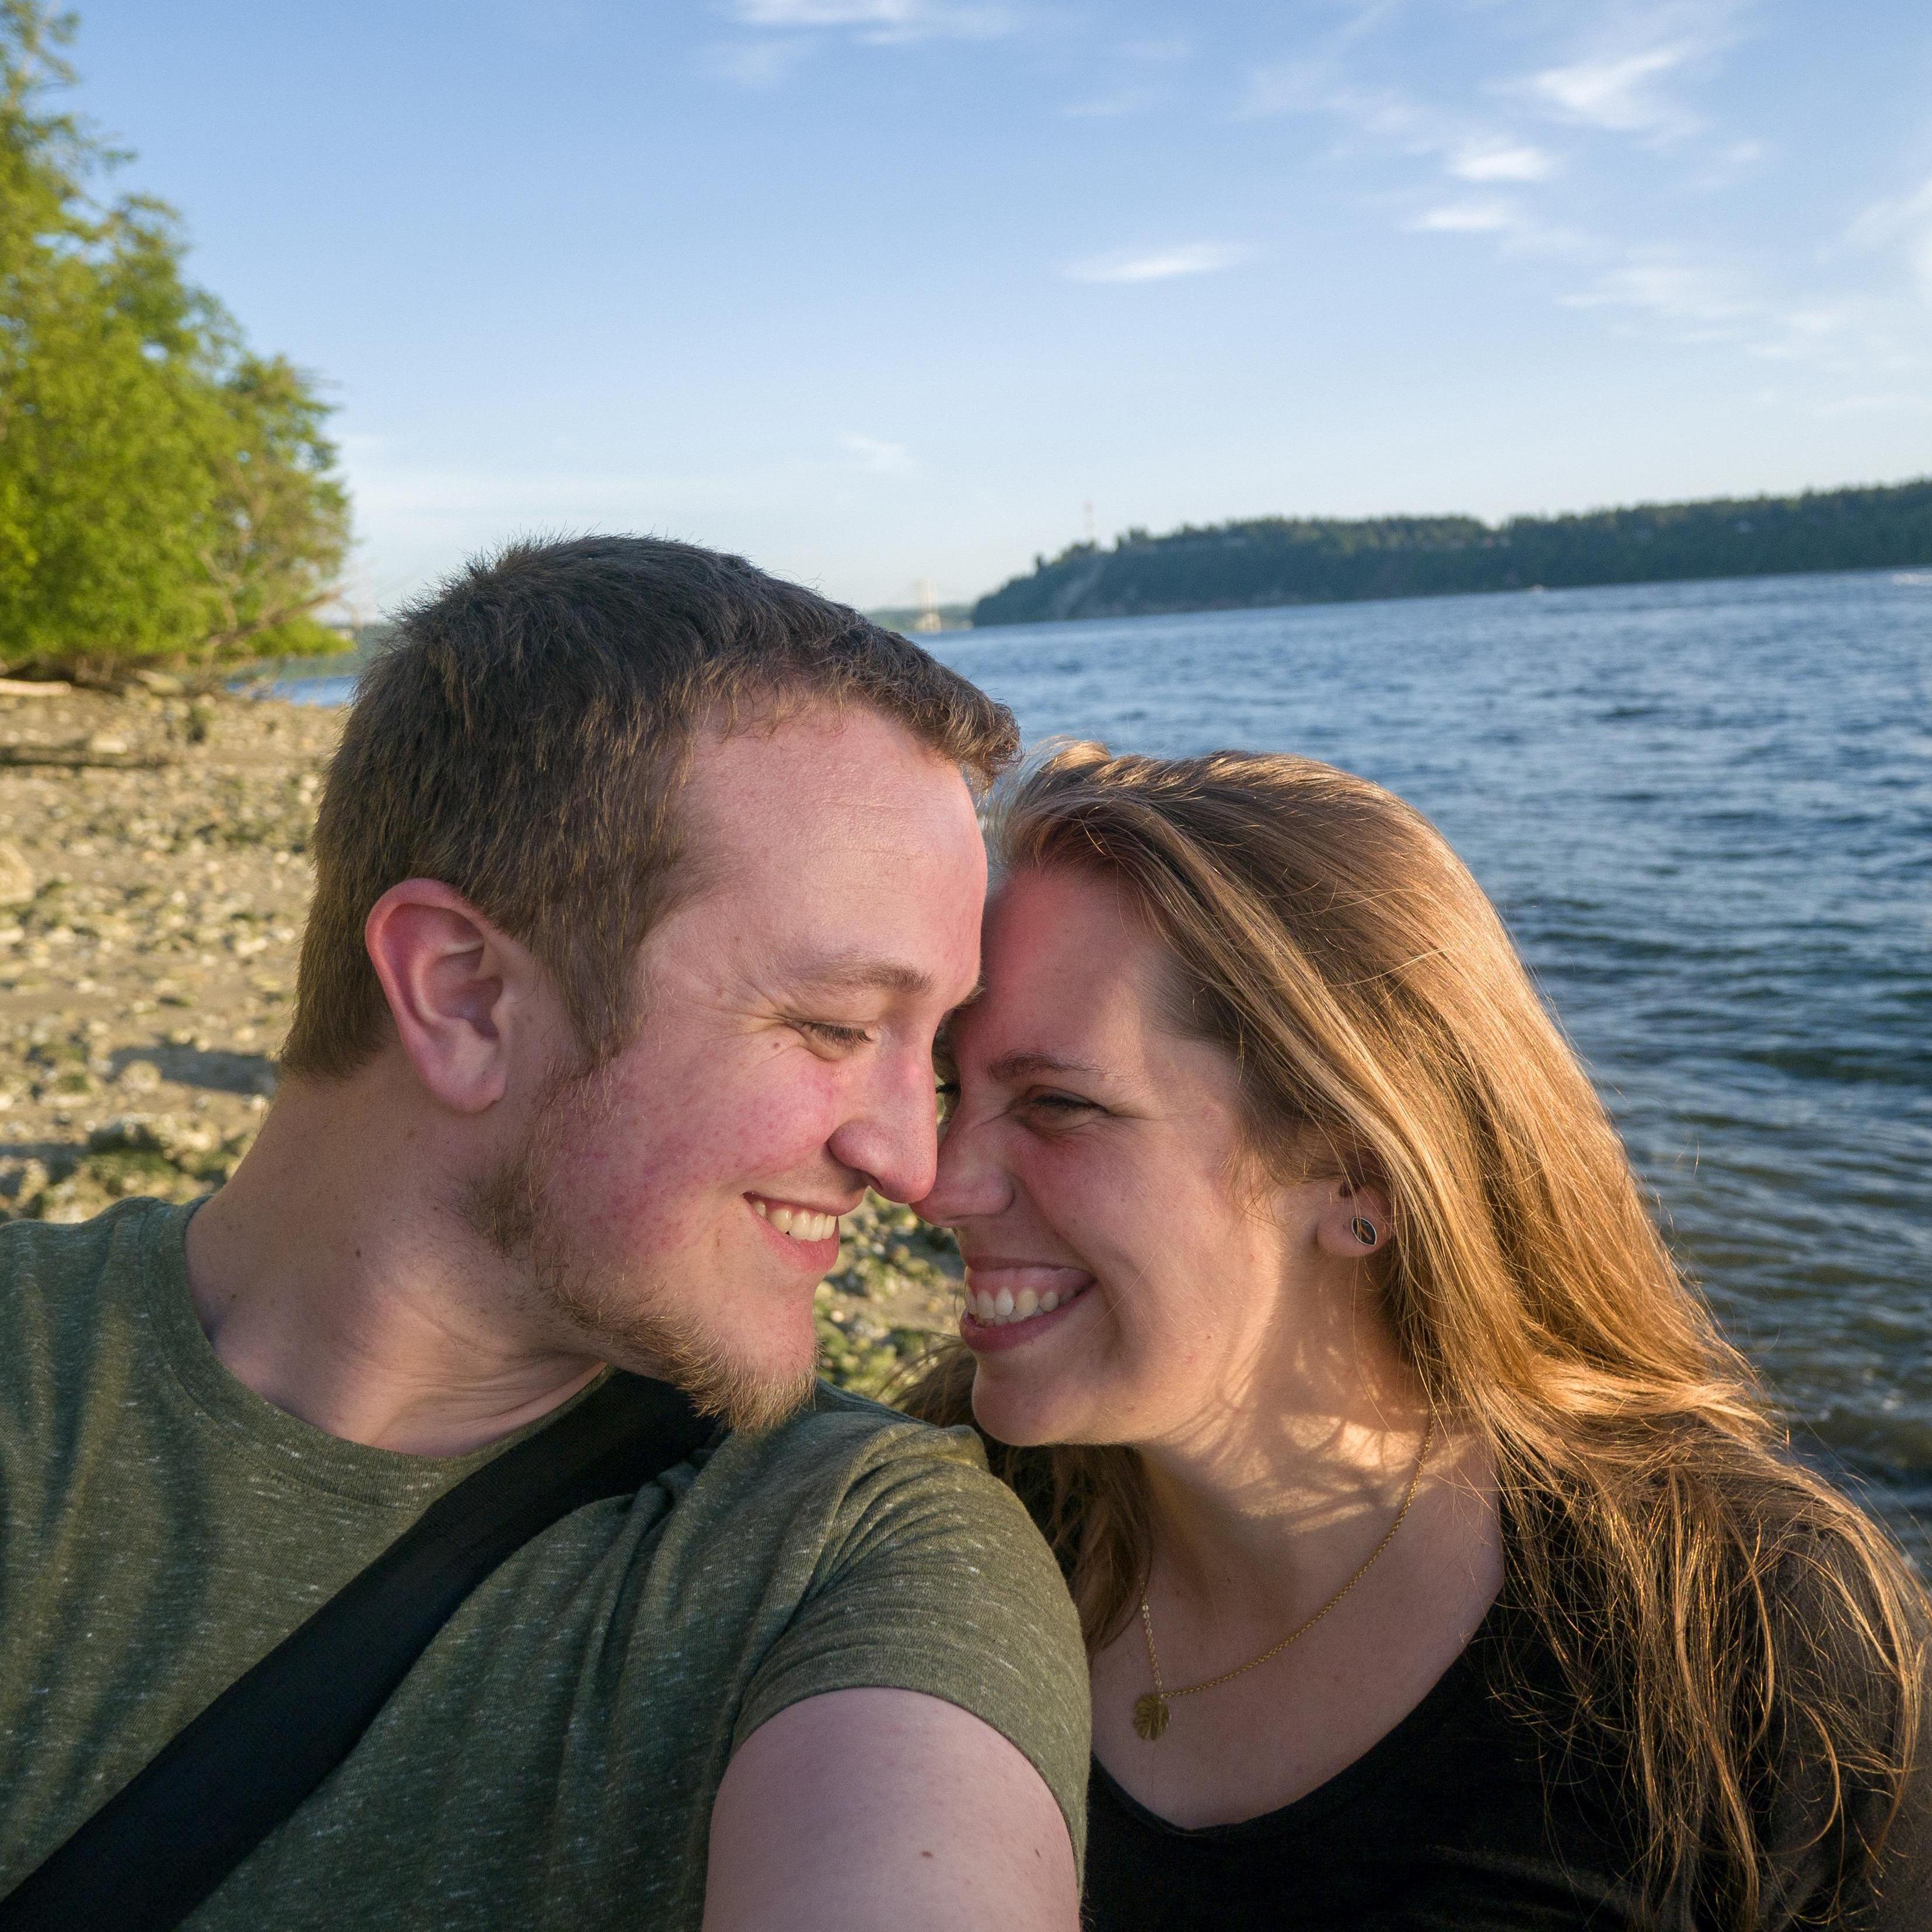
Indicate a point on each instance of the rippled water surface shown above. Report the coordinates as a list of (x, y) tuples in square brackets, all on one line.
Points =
[(1706, 812)]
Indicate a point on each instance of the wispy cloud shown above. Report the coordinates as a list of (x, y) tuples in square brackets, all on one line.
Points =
[(1903, 223), (1621, 78), (879, 20), (1495, 159), (1696, 298), (1391, 119), (1617, 91), (1159, 265), (1466, 217), (881, 458), (1634, 72)]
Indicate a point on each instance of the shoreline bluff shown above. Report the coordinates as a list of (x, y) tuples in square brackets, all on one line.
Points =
[(155, 875)]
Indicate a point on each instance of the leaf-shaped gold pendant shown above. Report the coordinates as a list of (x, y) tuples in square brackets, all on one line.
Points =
[(1150, 1715)]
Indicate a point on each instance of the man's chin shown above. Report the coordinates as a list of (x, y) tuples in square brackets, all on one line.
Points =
[(745, 1399), (622, 1316), (744, 1395)]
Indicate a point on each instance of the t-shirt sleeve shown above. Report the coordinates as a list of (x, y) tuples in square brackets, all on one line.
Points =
[(935, 1580)]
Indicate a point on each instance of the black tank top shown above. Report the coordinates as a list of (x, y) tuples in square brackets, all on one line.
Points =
[(1455, 1820)]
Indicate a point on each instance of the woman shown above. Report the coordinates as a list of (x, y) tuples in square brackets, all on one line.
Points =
[(1439, 1565)]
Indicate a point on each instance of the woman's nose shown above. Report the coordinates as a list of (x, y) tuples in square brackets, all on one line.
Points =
[(970, 1182)]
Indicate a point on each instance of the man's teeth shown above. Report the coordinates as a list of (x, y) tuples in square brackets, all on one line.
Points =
[(997, 1311), (801, 1224)]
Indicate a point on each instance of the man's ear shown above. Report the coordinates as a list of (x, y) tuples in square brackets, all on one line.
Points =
[(456, 987)]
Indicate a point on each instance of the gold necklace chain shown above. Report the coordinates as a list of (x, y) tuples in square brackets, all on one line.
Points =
[(1150, 1708)]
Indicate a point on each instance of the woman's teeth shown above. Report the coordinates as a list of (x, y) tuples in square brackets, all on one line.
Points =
[(998, 1311), (801, 1224)]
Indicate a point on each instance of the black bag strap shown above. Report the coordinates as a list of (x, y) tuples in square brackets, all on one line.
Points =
[(161, 1844)]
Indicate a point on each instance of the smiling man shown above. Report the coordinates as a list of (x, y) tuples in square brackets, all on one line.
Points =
[(643, 882)]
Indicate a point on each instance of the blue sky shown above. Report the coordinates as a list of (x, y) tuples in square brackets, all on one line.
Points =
[(878, 291)]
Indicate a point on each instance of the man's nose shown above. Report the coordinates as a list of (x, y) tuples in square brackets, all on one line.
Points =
[(892, 1137)]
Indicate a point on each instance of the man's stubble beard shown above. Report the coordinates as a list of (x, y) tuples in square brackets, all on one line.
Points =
[(517, 1211)]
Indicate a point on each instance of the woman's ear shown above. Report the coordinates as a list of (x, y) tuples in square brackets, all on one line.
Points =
[(1356, 1221)]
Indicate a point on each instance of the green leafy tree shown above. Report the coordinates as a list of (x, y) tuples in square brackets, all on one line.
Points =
[(163, 493), (281, 521)]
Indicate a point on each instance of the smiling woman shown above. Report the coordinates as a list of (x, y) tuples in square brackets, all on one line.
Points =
[(1438, 1561)]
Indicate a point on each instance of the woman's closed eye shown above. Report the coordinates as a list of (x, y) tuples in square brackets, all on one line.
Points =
[(1053, 1107)]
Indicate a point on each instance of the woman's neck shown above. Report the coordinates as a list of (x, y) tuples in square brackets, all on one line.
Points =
[(1278, 1501)]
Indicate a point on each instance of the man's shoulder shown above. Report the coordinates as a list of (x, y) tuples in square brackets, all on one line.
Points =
[(74, 1299), (838, 1438), (871, 1551), (38, 1244), (49, 1269), (845, 1477)]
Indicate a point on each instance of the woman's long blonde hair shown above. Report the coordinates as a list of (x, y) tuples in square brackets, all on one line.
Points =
[(1719, 1613)]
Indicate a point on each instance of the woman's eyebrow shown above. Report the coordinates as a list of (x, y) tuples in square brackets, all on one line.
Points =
[(1012, 1066)]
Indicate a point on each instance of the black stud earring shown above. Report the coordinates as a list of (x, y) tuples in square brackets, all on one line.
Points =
[(1364, 1231)]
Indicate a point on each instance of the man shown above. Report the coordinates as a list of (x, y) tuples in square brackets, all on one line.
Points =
[(644, 881)]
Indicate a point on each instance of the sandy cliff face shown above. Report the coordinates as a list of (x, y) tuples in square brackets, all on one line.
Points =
[(155, 875)]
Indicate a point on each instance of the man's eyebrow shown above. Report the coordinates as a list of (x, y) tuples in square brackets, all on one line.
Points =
[(1013, 1067), (856, 972)]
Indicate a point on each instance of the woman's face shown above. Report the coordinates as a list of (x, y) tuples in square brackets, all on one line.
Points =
[(1123, 1284)]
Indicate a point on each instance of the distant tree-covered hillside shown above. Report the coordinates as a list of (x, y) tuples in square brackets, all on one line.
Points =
[(1292, 560)]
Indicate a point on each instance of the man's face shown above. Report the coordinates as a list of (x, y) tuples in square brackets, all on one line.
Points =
[(685, 1195)]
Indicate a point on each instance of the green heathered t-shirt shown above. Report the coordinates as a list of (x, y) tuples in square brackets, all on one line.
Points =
[(552, 1759)]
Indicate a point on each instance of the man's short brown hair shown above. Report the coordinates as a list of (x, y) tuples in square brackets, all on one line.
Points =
[(523, 738)]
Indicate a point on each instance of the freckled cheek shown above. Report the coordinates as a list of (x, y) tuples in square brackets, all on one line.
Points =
[(1154, 1247), (676, 1167), (1113, 1216)]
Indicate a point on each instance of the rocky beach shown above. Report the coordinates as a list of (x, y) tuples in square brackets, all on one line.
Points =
[(155, 873)]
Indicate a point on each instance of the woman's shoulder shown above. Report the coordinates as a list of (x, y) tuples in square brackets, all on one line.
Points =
[(1848, 1731), (1793, 1634)]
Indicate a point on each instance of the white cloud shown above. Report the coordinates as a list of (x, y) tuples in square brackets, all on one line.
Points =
[(1903, 223), (1192, 258), (1683, 293), (1614, 91), (1624, 79), (1495, 160), (881, 458), (1638, 71), (880, 20), (1467, 218)]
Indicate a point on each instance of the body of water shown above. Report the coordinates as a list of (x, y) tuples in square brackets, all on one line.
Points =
[(1705, 810)]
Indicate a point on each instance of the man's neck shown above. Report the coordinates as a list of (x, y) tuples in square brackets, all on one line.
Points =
[(334, 1276)]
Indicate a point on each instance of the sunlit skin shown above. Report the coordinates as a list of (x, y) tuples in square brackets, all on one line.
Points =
[(784, 1056), (1224, 1324)]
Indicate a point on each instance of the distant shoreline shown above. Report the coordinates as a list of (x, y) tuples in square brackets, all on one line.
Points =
[(1279, 562)]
